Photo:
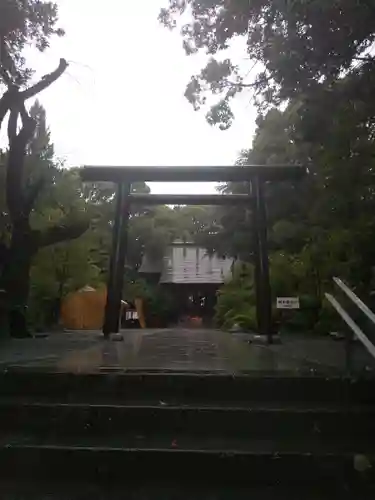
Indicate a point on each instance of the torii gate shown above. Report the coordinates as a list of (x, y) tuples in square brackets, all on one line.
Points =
[(255, 175)]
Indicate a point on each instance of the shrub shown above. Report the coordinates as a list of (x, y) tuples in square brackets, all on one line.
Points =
[(246, 321), (328, 320), (235, 297)]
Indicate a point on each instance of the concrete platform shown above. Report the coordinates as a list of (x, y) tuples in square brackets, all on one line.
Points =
[(175, 350)]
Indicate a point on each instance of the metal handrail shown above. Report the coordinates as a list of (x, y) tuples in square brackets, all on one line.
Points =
[(352, 325), (355, 299)]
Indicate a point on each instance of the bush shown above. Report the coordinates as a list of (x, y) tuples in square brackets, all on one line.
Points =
[(236, 298), (299, 321), (247, 321), (303, 319), (160, 307), (328, 320)]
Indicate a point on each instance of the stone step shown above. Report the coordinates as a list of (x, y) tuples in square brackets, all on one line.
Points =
[(254, 419), (182, 441), (159, 490), (132, 459), (208, 431), (186, 388)]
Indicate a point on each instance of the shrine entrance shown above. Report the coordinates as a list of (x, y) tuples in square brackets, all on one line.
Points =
[(255, 175)]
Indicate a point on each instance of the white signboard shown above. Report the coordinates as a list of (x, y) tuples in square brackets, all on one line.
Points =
[(287, 303)]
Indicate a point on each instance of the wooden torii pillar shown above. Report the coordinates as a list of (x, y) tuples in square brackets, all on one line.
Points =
[(255, 175)]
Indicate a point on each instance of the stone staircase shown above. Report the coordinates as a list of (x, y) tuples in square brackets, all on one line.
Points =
[(163, 435)]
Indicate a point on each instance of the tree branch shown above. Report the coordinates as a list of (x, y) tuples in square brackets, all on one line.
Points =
[(14, 100), (12, 95), (62, 232), (16, 159), (364, 58), (45, 82), (4, 254), (32, 195), (248, 85), (5, 104), (6, 63), (4, 75), (24, 115), (240, 84), (12, 125)]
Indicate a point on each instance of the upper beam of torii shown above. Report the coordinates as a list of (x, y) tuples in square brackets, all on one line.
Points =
[(220, 173)]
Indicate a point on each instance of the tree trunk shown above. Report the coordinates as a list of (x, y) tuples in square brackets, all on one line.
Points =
[(57, 304), (16, 278)]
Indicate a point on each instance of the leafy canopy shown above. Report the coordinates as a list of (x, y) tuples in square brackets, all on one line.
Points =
[(23, 23), (294, 47)]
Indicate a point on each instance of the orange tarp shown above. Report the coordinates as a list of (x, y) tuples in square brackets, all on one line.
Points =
[(84, 309), (141, 316)]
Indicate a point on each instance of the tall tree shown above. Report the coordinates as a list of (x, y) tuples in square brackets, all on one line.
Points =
[(317, 58), (296, 49), (29, 171), (323, 225), (24, 22)]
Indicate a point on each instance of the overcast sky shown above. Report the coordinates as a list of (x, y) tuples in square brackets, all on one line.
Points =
[(121, 100)]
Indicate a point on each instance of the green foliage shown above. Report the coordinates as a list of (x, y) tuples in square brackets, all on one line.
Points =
[(228, 228), (328, 320), (66, 266), (323, 225), (160, 307), (158, 303), (295, 49), (247, 321), (58, 266), (56, 271), (137, 289), (236, 299), (23, 23)]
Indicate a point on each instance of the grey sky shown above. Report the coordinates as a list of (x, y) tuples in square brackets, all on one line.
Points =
[(121, 101)]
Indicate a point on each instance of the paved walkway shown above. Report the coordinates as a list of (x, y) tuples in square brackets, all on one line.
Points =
[(168, 350)]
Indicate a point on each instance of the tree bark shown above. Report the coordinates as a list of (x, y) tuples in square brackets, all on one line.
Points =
[(16, 277), (25, 243), (13, 96)]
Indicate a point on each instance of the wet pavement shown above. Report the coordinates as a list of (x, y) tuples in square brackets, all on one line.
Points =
[(178, 350)]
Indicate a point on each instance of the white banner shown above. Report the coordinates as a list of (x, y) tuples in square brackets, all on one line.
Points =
[(287, 303)]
